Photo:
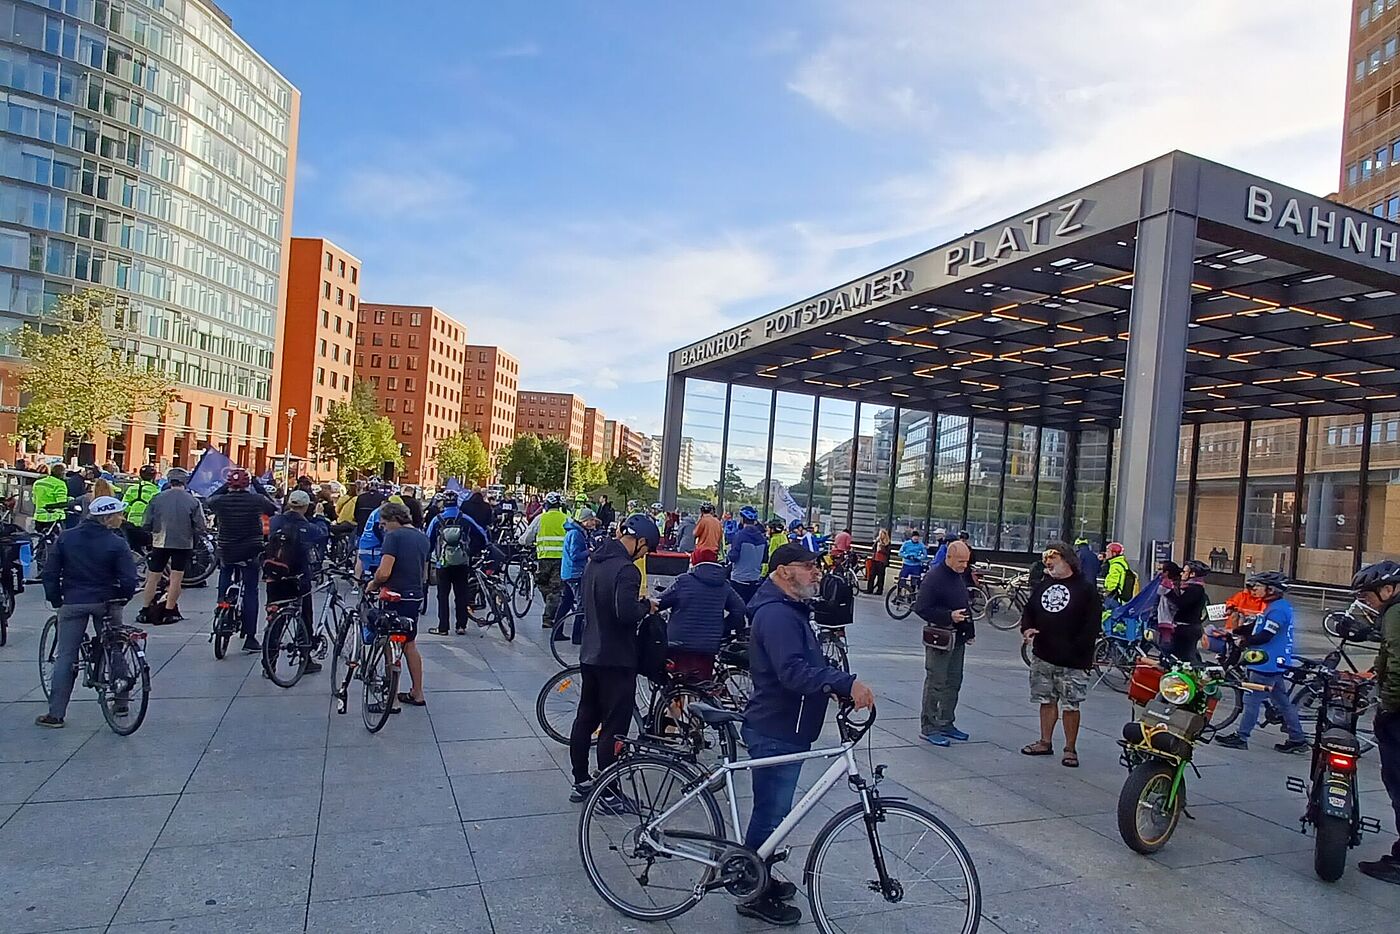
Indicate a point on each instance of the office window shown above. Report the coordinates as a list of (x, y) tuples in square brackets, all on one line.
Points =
[(321, 376), (1365, 16), (1382, 158), (1375, 62), (1390, 48), (328, 262), (342, 269), (1353, 174), (1378, 210), (325, 318), (1360, 68), (1392, 208), (354, 274), (326, 289), (1366, 167)]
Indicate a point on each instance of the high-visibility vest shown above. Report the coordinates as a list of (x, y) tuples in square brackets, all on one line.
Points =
[(549, 541)]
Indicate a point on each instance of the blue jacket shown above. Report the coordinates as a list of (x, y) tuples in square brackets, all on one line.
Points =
[(89, 564), (790, 674), (313, 535), (1088, 563), (448, 513), (941, 554), (576, 539), (703, 606), (1276, 622), (912, 552), (748, 549)]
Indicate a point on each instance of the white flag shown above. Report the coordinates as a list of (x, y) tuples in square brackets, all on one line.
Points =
[(783, 503)]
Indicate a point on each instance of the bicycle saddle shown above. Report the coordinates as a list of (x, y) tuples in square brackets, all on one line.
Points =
[(714, 716)]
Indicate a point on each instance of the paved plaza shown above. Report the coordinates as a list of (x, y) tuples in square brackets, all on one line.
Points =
[(241, 807)]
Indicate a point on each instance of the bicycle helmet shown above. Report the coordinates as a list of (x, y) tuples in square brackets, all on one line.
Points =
[(237, 478), (1198, 567), (776, 525), (794, 525), (643, 528), (1114, 549), (1377, 575), (147, 472), (748, 513), (707, 508), (553, 501), (449, 498), (1080, 541), (106, 506), (657, 507), (177, 475), (1270, 580)]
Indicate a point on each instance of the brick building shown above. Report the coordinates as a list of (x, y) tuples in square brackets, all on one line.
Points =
[(413, 357), (490, 384), (551, 415), (632, 442), (612, 439), (593, 443), (316, 366)]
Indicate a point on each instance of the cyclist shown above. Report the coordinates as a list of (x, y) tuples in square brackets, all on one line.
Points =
[(238, 507), (88, 568), (295, 543), (913, 557), (1119, 581), (1088, 559), (747, 552), (1268, 646), (546, 533), (578, 534), (685, 532), (137, 497), (704, 609), (450, 547), (1188, 602), (709, 533), (404, 570), (50, 499), (798, 534), (792, 682), (1378, 586), (612, 609), (176, 522), (941, 552), (357, 508), (607, 515), (840, 547)]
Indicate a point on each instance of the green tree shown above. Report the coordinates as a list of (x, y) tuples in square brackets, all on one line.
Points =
[(521, 461), (463, 456), (586, 476), (553, 454), (733, 482), (626, 476), (74, 379), (383, 445), (345, 436), (812, 483)]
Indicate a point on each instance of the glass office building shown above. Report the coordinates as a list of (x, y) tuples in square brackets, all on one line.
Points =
[(147, 149), (1180, 357)]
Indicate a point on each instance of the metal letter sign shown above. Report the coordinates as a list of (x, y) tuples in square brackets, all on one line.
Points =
[(1360, 234), (1013, 239)]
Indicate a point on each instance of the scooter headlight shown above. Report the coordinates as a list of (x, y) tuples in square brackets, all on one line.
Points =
[(1177, 688)]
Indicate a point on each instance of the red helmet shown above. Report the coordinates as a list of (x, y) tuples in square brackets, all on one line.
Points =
[(237, 478), (1114, 548)]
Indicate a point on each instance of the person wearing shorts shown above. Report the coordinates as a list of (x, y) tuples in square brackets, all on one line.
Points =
[(403, 568), (1061, 623)]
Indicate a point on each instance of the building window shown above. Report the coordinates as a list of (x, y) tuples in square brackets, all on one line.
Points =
[(323, 346), (328, 262), (1366, 168), (408, 428), (1353, 174), (389, 404), (326, 289), (397, 319), (338, 321), (415, 319), (413, 340), (349, 329), (325, 318), (408, 406), (359, 359), (1365, 16), (1375, 62), (379, 316), (1360, 68), (393, 383), (335, 352), (342, 269), (393, 361), (340, 296), (354, 275), (320, 376), (1392, 208), (318, 405), (393, 340), (376, 360), (377, 339), (409, 383), (413, 363)]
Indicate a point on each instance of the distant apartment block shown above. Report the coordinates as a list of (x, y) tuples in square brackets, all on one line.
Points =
[(490, 386), (612, 439), (593, 435), (551, 415)]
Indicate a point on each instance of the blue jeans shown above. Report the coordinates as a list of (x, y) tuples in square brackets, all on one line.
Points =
[(247, 577), (910, 570), (1278, 696), (773, 787)]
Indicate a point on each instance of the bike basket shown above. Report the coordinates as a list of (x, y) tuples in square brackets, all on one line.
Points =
[(1143, 685), (1176, 720)]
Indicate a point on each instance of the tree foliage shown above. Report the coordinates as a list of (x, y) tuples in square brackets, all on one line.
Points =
[(357, 436), (520, 461), (626, 476), (74, 378), (463, 456)]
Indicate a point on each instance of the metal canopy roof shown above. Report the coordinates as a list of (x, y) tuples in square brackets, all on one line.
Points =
[(1289, 316)]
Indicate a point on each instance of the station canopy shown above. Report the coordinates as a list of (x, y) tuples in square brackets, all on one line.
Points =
[(1293, 310)]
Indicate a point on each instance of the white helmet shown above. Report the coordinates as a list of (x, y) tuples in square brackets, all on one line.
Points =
[(106, 506)]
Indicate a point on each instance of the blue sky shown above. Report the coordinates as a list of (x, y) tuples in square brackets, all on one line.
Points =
[(593, 185)]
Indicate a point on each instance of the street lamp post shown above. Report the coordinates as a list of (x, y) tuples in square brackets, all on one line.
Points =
[(320, 456), (287, 462)]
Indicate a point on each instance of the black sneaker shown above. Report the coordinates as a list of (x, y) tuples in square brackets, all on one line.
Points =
[(1232, 741), (581, 791), (772, 911), (1294, 746), (1386, 869), (312, 667), (437, 632), (53, 723), (251, 644), (781, 889), (617, 805)]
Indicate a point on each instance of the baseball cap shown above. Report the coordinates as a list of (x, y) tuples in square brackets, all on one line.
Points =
[(106, 506), (791, 553), (584, 514), (299, 498)]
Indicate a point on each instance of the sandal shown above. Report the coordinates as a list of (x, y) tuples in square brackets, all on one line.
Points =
[(1070, 760), (407, 698), (1038, 748)]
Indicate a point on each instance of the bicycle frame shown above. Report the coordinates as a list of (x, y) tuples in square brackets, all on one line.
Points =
[(844, 767)]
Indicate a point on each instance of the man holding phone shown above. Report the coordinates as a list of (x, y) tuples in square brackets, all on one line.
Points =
[(942, 603)]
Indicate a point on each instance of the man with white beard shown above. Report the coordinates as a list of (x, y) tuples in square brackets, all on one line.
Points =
[(792, 682)]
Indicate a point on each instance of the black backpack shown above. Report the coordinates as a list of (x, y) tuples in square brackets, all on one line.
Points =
[(836, 602), (652, 648), (284, 556)]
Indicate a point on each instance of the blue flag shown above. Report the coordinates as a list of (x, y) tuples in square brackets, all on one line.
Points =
[(208, 474)]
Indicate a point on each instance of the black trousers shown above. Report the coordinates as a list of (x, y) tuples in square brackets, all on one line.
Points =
[(1388, 742), (453, 582), (609, 696)]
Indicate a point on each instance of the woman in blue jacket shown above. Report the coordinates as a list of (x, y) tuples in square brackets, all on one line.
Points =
[(577, 536)]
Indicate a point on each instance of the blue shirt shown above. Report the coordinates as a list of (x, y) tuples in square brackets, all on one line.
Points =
[(913, 552), (1277, 619)]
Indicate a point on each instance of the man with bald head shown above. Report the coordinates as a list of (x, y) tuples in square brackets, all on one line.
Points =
[(942, 603)]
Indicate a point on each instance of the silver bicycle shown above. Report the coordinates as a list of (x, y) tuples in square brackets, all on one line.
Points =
[(653, 841)]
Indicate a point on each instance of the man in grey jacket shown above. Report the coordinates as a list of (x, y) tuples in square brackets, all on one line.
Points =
[(175, 520)]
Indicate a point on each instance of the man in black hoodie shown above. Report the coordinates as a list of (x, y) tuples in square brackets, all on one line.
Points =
[(1188, 600), (1061, 621), (612, 608), (792, 682), (238, 508)]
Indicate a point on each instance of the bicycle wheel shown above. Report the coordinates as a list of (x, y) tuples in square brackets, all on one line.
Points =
[(669, 720), (498, 605), (557, 703), (1113, 665), (1228, 705), (125, 692), (284, 648), (347, 648), (561, 643), (621, 864), (48, 653), (977, 601), (524, 593), (899, 602), (1001, 612), (225, 622), (932, 882), (381, 677), (835, 653), (735, 688)]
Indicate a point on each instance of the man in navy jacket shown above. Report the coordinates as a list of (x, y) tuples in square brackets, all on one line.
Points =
[(792, 682)]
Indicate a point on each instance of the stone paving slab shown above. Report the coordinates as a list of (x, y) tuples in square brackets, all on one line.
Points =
[(243, 807)]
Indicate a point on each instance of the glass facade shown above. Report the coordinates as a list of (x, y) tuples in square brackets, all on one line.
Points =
[(146, 149), (1313, 497)]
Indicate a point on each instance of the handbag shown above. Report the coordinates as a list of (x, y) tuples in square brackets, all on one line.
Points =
[(939, 638)]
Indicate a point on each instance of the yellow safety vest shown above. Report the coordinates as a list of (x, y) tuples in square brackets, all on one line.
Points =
[(549, 541)]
